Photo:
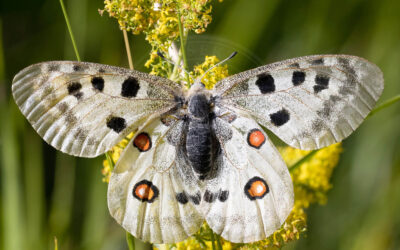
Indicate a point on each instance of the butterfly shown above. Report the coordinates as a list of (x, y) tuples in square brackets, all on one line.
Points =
[(198, 155)]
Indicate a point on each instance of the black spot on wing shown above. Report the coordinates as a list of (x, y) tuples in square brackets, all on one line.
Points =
[(182, 198), (298, 77), (321, 82), (223, 195), (74, 89), (319, 61), (77, 67), (209, 196), (101, 70), (98, 83), (294, 65), (195, 198), (130, 87), (351, 76), (116, 123), (266, 83), (279, 118)]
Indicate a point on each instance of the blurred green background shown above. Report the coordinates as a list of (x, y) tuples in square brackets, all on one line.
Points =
[(45, 193)]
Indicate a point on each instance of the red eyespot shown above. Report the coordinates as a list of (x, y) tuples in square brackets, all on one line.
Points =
[(142, 142), (145, 191), (255, 138), (256, 188)]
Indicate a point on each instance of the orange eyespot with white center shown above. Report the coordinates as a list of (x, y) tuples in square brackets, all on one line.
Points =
[(145, 191), (142, 142), (256, 188), (255, 138)]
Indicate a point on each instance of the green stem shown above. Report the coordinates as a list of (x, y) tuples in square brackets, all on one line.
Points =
[(212, 240), (182, 38), (130, 240), (384, 105), (128, 49), (302, 160), (219, 246), (110, 160), (70, 30)]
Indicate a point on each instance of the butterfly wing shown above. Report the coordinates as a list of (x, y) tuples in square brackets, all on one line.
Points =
[(146, 190), (309, 102), (84, 109), (252, 194)]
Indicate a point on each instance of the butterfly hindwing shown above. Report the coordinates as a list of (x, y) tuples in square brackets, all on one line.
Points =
[(146, 194), (84, 109), (309, 102), (252, 195)]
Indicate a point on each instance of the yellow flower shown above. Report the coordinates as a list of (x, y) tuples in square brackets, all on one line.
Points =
[(158, 20), (115, 153)]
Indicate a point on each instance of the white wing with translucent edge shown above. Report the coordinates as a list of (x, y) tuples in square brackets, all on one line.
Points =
[(146, 193), (84, 109), (309, 102), (252, 194)]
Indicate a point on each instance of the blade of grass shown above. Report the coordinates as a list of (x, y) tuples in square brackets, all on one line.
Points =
[(61, 207), (94, 229), (212, 239), (55, 243), (384, 105), (34, 189), (70, 30), (219, 246), (13, 230), (130, 240)]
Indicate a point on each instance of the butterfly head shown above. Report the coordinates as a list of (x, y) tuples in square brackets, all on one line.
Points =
[(196, 88)]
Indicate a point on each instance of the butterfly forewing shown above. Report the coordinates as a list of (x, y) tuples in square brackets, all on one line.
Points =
[(84, 109), (309, 102)]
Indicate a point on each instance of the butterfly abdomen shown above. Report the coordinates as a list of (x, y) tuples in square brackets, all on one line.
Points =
[(199, 138)]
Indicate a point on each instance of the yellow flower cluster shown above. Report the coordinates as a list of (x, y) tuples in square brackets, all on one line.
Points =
[(158, 20), (115, 153), (312, 178)]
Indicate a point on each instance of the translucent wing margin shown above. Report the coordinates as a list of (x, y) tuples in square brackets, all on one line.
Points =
[(309, 102), (84, 109)]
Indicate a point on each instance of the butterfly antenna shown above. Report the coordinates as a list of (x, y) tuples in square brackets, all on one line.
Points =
[(221, 62), (171, 62)]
